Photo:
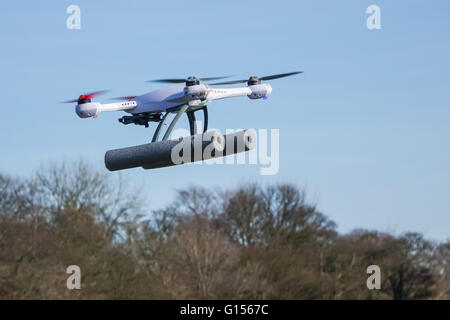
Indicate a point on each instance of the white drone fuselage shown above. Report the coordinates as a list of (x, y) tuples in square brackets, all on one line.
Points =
[(196, 96)]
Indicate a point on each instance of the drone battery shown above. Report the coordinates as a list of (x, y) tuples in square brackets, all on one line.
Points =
[(211, 144)]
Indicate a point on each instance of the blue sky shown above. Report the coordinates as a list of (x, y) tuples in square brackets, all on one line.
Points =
[(365, 129)]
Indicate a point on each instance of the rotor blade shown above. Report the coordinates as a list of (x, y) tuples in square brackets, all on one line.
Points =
[(281, 75), (168, 80), (95, 94), (229, 82), (214, 78), (123, 98), (176, 80), (87, 96), (69, 101)]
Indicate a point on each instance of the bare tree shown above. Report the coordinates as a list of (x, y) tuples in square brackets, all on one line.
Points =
[(75, 185), (251, 242)]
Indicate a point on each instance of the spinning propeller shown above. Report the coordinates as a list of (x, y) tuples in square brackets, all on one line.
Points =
[(86, 97), (190, 81), (255, 80), (123, 98)]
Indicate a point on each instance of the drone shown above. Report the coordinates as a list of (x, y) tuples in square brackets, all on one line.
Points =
[(189, 98)]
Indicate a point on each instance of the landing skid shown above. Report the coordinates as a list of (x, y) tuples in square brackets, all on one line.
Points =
[(178, 111)]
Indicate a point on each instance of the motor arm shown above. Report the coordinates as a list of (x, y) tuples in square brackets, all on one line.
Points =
[(92, 109)]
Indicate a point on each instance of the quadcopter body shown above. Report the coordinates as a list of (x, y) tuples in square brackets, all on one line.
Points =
[(156, 105)]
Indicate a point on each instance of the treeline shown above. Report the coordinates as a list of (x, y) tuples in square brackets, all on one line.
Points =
[(251, 242)]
